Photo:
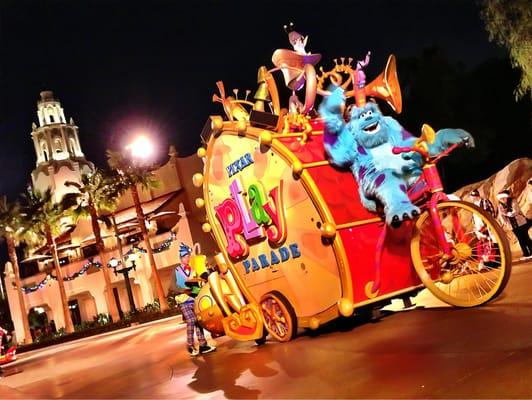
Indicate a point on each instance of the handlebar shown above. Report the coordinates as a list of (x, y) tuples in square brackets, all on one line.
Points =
[(424, 153)]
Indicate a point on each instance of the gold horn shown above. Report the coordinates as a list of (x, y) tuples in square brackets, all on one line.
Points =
[(386, 86), (261, 95)]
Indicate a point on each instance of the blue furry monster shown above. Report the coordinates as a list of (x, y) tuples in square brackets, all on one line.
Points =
[(364, 144)]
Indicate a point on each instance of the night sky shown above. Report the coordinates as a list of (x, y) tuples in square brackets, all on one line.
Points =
[(120, 66)]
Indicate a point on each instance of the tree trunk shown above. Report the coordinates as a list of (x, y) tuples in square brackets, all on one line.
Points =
[(69, 327), (12, 252), (111, 303), (144, 231)]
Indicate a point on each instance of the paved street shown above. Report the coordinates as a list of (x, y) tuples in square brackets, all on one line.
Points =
[(427, 352)]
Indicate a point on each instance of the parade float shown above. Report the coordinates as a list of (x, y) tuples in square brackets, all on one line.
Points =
[(7, 354), (301, 243)]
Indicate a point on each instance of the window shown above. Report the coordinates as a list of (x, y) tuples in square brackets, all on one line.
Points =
[(28, 269), (89, 251), (75, 314), (58, 146), (44, 148), (135, 238), (72, 145)]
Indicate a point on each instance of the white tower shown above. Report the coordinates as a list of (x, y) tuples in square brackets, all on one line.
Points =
[(59, 155)]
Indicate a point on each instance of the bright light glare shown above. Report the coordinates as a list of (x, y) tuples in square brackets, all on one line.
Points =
[(141, 147)]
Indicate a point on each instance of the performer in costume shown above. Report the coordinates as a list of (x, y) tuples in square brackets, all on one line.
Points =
[(188, 289), (364, 144)]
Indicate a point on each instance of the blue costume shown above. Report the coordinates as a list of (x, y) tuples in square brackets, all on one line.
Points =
[(364, 144)]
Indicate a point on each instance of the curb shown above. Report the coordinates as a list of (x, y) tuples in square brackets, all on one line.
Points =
[(29, 355)]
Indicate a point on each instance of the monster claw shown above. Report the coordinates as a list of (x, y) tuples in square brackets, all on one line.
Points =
[(406, 216), (415, 213), (396, 222)]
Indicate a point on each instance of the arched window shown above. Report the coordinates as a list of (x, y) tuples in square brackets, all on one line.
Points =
[(44, 149), (72, 143), (57, 145)]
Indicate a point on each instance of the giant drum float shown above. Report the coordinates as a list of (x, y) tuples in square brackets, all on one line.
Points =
[(297, 247)]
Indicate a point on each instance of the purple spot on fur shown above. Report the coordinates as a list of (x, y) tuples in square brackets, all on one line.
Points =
[(379, 180), (361, 150), (361, 172), (402, 187), (405, 202), (405, 134), (329, 139)]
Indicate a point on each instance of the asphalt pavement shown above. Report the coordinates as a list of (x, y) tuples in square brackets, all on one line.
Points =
[(427, 351)]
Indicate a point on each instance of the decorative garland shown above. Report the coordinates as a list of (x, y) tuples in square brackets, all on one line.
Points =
[(134, 249), (83, 269), (166, 244), (41, 284)]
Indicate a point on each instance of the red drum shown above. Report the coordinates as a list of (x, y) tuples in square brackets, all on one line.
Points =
[(297, 247)]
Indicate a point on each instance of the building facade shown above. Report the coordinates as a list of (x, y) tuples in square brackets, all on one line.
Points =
[(170, 211)]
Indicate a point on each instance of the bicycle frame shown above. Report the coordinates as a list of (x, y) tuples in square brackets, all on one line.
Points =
[(434, 188), (427, 192)]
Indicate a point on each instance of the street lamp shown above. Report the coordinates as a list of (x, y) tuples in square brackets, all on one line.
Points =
[(141, 148), (114, 263)]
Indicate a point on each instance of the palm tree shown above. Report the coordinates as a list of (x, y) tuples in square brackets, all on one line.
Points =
[(96, 194), (11, 229), (44, 220), (134, 174)]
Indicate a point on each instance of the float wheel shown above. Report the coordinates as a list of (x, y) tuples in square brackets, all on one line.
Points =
[(279, 316), (480, 265)]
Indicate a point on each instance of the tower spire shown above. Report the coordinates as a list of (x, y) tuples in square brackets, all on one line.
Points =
[(56, 145)]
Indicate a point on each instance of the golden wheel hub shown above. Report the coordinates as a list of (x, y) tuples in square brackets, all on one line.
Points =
[(461, 252)]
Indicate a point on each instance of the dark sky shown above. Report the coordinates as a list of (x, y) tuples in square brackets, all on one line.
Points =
[(121, 65)]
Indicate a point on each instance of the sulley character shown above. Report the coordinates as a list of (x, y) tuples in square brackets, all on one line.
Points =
[(364, 144)]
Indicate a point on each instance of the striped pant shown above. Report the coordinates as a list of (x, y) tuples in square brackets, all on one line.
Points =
[(187, 309)]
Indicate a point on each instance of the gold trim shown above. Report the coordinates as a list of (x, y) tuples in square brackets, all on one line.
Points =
[(197, 179), (199, 202), (201, 152), (367, 290), (296, 134), (345, 306), (316, 164), (325, 316), (358, 223), (328, 230)]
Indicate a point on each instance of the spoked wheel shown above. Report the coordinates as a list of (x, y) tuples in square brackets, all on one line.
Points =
[(279, 316), (480, 264)]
